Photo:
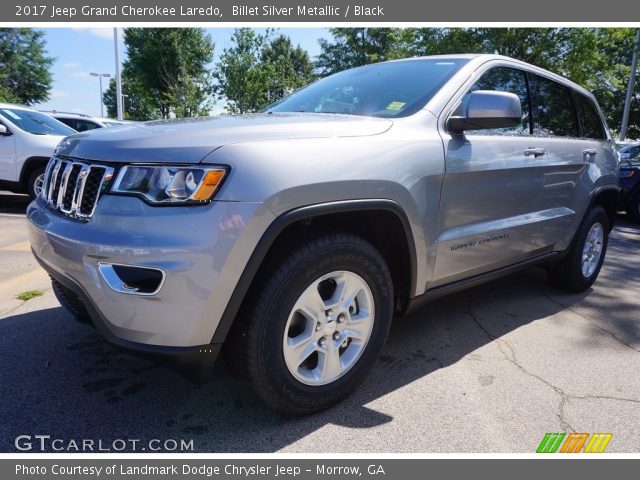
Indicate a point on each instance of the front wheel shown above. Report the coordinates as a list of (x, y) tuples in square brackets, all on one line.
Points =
[(69, 300), (317, 322), (35, 182), (580, 268)]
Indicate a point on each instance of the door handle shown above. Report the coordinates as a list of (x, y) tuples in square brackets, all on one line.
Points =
[(536, 152), (589, 152)]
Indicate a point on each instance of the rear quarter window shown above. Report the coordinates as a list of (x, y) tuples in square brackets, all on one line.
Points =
[(590, 121)]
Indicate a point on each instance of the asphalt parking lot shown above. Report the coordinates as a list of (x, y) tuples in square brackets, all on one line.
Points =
[(491, 369)]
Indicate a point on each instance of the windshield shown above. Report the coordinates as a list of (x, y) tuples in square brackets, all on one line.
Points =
[(394, 89), (36, 122)]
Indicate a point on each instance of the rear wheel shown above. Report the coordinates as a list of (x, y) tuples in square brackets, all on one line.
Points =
[(315, 324), (580, 268)]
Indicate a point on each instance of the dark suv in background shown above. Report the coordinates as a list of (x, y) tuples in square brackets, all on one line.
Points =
[(630, 188)]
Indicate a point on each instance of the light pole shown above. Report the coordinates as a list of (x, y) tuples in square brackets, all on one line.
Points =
[(100, 75), (119, 99), (632, 81)]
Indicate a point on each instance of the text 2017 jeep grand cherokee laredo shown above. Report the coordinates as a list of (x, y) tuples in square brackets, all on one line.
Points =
[(294, 235)]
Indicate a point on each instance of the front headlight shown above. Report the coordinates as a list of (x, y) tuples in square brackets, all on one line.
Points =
[(170, 184)]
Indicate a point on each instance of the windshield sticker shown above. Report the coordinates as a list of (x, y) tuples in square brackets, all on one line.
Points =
[(11, 114), (396, 106)]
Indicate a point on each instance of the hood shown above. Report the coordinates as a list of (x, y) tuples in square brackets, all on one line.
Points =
[(190, 140), (51, 141)]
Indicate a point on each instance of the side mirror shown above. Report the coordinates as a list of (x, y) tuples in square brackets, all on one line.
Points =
[(4, 132), (488, 109)]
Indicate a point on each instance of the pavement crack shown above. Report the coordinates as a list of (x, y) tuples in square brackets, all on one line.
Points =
[(509, 353), (604, 397), (592, 323), (512, 358)]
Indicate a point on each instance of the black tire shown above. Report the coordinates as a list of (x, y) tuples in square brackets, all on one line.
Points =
[(568, 274), (633, 210), (32, 180), (69, 300), (255, 343)]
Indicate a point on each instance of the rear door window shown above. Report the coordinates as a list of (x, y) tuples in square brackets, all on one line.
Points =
[(70, 122), (84, 125), (554, 114)]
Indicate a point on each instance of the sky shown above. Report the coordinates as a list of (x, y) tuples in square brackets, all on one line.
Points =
[(78, 51)]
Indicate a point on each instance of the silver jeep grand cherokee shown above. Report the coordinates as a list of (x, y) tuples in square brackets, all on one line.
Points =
[(294, 236)]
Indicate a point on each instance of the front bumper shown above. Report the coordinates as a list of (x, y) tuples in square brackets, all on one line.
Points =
[(198, 360), (202, 250)]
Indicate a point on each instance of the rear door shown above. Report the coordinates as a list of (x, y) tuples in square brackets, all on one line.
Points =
[(597, 148), (557, 131)]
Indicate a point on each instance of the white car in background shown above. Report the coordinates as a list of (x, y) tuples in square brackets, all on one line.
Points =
[(27, 141), (81, 122)]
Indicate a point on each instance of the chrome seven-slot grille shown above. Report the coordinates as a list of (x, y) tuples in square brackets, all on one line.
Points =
[(74, 187)]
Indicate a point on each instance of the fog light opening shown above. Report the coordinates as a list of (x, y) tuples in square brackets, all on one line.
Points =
[(132, 280)]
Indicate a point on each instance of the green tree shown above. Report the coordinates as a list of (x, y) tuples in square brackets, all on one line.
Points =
[(24, 66), (260, 69), (609, 83), (563, 50), (166, 73), (290, 67), (352, 47), (138, 104)]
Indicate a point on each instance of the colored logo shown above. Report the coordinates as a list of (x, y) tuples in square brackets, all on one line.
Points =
[(574, 443)]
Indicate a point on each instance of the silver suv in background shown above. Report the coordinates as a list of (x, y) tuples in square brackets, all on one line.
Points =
[(81, 122), (293, 236)]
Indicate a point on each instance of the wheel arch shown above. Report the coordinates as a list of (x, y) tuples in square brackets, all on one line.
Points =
[(29, 165), (352, 216), (609, 199)]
